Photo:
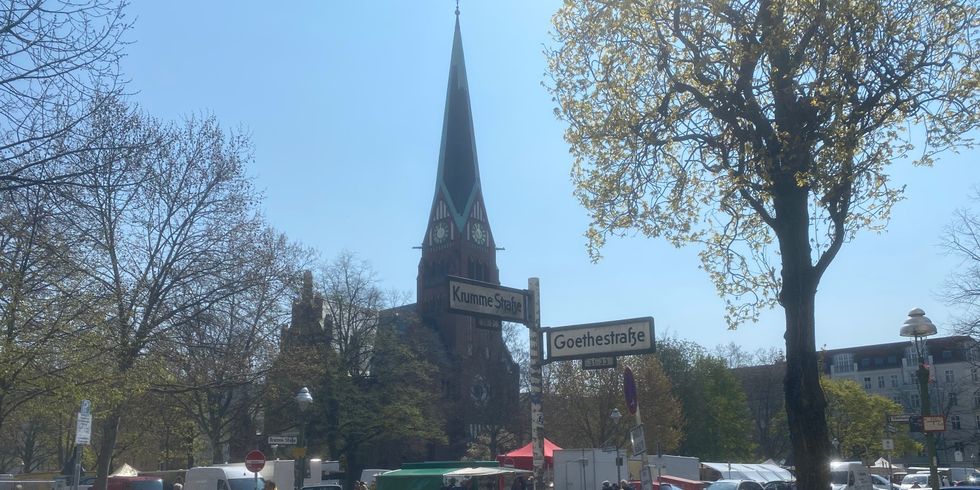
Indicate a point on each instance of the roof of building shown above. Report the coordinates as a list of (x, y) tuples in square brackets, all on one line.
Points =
[(883, 356)]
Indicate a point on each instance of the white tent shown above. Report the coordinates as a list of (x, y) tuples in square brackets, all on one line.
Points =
[(759, 472)]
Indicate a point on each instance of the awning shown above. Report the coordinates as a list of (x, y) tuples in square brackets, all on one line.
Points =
[(470, 472)]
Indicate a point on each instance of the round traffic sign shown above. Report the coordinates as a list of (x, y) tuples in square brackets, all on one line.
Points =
[(255, 461), (629, 389)]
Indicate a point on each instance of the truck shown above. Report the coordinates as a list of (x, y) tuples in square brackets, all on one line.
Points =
[(850, 475), (585, 469)]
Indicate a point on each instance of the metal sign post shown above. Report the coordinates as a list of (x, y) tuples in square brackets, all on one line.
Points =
[(83, 436), (534, 348)]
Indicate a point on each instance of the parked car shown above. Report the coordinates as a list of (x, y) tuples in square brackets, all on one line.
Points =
[(323, 487), (915, 480), (734, 485), (966, 476), (882, 483), (779, 485)]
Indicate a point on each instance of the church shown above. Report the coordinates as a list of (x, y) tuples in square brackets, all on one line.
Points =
[(478, 388)]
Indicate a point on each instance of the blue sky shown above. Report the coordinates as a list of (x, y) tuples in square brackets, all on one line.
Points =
[(344, 103)]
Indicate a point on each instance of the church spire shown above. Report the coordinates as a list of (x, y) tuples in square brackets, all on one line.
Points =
[(458, 179)]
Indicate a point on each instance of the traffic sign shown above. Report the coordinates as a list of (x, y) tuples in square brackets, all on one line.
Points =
[(486, 299), (629, 390), (620, 337), (639, 440), (599, 363), (933, 423), (282, 440), (254, 461), (899, 418), (888, 444), (83, 429)]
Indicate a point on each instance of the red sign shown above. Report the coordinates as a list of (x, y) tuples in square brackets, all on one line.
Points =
[(255, 461), (629, 389)]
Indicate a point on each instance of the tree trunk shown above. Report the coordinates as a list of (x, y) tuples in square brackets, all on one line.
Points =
[(110, 430), (217, 449), (805, 402)]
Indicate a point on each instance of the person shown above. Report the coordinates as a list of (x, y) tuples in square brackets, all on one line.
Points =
[(624, 485), (518, 484), (606, 485), (269, 485), (178, 484)]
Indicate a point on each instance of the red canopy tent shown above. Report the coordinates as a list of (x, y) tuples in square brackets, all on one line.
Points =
[(523, 459)]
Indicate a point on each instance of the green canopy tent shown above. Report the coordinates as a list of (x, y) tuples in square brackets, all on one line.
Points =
[(443, 475)]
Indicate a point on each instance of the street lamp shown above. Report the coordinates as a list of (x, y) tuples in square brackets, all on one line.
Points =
[(919, 326), (304, 399), (615, 416)]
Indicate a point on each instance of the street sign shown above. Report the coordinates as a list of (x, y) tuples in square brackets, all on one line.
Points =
[(620, 337), (888, 444), (483, 298), (900, 418), (86, 407), (254, 461), (639, 440), (283, 440), (83, 429), (629, 390), (599, 363), (933, 423)]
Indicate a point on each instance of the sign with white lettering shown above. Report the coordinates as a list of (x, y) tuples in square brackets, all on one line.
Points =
[(483, 298), (639, 440), (282, 440), (599, 363), (621, 337)]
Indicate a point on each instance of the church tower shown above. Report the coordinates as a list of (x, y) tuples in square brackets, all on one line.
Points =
[(458, 241)]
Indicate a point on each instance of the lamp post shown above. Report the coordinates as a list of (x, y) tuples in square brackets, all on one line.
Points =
[(919, 326), (303, 400), (615, 416)]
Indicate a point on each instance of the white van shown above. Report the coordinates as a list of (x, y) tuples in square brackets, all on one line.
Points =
[(368, 475), (850, 475), (222, 477)]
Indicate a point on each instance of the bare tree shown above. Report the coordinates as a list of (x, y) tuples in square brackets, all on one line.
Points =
[(58, 62), (353, 303), (159, 215)]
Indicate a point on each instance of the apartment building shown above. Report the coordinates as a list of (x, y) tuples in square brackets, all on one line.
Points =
[(890, 369)]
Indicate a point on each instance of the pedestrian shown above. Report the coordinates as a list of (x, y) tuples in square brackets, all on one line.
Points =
[(624, 485), (178, 484), (606, 485), (269, 485)]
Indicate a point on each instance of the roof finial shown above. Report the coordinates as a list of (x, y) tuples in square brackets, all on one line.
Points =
[(457, 8)]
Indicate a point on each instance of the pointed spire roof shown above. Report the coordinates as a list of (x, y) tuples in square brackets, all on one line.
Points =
[(458, 179)]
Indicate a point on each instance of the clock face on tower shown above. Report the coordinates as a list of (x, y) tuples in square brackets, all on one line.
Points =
[(478, 233), (440, 233)]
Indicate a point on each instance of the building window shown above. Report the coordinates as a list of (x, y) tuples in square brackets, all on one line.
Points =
[(894, 381), (866, 362), (949, 375), (947, 355), (976, 399), (844, 363), (867, 382), (954, 421), (973, 374), (978, 421), (881, 381), (953, 400), (914, 400)]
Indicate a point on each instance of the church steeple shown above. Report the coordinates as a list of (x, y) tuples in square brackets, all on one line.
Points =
[(458, 177)]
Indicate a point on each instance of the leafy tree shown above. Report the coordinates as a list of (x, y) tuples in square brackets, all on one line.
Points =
[(716, 416), (60, 60), (578, 403), (761, 130), (857, 418)]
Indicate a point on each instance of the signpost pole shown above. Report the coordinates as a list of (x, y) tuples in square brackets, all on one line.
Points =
[(534, 347)]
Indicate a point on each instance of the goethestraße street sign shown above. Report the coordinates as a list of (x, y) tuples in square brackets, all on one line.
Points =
[(620, 337), (485, 299)]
